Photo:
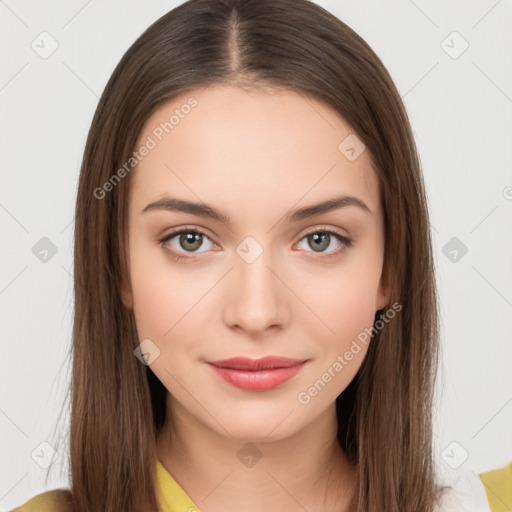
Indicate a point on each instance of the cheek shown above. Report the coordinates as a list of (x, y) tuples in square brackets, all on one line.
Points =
[(343, 300), (339, 342), (160, 297), (168, 299), (348, 319), (153, 309)]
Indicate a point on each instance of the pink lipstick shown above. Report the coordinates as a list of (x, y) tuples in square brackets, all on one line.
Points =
[(257, 374)]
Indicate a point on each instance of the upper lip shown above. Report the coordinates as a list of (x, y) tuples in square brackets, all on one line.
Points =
[(265, 363)]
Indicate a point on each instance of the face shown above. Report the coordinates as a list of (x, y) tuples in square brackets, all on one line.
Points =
[(257, 279)]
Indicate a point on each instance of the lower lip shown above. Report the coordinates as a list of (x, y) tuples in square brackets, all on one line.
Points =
[(261, 380)]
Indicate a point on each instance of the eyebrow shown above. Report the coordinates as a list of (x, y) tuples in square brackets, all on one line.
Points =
[(208, 211)]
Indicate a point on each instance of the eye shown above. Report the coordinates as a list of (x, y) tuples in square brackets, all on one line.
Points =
[(189, 240), (184, 241), (323, 239)]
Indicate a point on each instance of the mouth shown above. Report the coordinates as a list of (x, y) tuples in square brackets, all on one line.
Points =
[(257, 374)]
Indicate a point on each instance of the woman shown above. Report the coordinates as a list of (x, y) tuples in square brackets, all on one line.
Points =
[(256, 323)]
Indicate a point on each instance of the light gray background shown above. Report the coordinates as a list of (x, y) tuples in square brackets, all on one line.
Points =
[(460, 109)]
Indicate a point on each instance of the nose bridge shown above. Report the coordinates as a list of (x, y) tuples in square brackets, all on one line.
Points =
[(256, 298)]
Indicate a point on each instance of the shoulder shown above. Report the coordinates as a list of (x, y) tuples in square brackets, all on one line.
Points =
[(498, 487), (463, 491), (57, 500)]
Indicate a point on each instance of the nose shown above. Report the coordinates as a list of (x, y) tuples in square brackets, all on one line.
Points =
[(255, 297)]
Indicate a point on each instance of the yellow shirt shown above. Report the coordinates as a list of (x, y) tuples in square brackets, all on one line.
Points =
[(172, 497), (498, 487), (497, 484)]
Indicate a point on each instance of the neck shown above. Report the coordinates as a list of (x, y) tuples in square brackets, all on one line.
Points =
[(306, 471)]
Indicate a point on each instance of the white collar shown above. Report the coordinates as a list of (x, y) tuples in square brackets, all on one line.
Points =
[(466, 492)]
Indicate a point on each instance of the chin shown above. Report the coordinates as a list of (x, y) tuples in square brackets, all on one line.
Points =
[(260, 427)]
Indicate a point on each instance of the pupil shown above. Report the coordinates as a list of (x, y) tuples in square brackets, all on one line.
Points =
[(321, 238), (193, 239)]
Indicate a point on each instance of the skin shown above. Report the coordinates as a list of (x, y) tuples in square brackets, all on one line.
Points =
[(255, 155)]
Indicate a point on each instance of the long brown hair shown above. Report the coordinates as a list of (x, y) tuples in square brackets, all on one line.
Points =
[(117, 403)]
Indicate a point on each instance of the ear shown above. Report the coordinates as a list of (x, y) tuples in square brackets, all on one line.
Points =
[(383, 292), (126, 294)]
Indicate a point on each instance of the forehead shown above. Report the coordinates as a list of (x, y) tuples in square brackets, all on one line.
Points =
[(268, 147)]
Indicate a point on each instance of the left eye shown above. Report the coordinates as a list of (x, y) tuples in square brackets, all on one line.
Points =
[(322, 240)]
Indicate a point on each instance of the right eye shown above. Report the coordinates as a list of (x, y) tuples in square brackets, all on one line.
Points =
[(184, 241)]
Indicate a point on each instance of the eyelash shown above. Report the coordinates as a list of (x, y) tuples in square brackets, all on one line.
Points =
[(346, 242)]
